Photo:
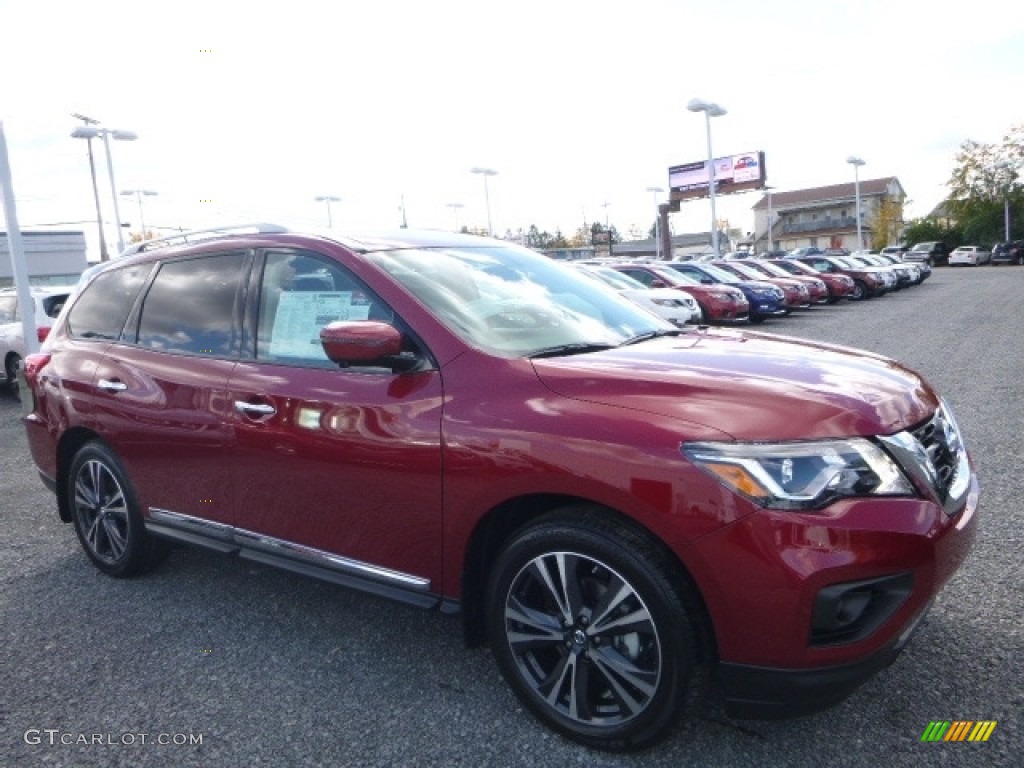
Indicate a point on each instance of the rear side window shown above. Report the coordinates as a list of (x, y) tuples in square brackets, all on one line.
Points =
[(52, 305), (102, 308), (194, 306)]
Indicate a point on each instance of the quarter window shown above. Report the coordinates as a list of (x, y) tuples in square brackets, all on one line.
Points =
[(100, 312), (194, 306)]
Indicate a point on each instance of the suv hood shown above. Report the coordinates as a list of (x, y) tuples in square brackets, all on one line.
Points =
[(750, 386)]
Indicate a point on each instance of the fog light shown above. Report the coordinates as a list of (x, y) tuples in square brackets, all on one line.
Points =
[(847, 613)]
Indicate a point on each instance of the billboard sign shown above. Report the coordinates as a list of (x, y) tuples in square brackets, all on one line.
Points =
[(733, 173)]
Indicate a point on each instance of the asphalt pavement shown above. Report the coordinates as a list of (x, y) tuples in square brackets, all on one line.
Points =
[(213, 661)]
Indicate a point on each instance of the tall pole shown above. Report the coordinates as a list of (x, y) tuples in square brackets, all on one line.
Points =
[(710, 109), (104, 254), (485, 172), (655, 191), (711, 187), (113, 190), (856, 162), (455, 209)]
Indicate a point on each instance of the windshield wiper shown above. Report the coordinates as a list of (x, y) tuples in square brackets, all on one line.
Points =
[(577, 348), (651, 335)]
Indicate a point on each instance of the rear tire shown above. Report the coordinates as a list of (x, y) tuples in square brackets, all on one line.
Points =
[(106, 515), (595, 631)]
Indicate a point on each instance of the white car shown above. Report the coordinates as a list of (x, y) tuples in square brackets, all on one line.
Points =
[(970, 254), (676, 306), (48, 302)]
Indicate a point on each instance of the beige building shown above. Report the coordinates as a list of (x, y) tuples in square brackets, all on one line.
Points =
[(826, 217)]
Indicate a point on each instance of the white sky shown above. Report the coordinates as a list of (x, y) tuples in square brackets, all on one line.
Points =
[(575, 104)]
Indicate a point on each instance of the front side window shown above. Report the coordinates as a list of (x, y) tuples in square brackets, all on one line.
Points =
[(103, 306), (194, 306), (300, 293)]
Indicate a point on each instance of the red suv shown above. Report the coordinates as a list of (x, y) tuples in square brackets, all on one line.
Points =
[(623, 509)]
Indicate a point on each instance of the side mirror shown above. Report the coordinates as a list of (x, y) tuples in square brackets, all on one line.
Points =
[(657, 284), (360, 342)]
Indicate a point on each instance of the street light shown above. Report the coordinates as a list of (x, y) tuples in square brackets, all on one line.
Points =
[(655, 191), (710, 109), (1002, 166), (455, 210), (485, 172), (92, 131), (771, 246), (138, 197), (856, 162), (328, 199)]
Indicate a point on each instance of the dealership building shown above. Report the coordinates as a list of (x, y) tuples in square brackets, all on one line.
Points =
[(51, 257)]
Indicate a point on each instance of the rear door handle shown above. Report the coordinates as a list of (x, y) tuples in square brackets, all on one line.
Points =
[(108, 385)]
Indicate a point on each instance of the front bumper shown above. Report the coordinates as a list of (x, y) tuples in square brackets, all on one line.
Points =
[(765, 693)]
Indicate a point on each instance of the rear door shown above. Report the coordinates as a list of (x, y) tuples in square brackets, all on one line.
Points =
[(159, 393)]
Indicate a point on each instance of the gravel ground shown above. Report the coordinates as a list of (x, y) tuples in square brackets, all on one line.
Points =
[(235, 664)]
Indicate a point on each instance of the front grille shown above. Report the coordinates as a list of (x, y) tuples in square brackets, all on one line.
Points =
[(941, 442)]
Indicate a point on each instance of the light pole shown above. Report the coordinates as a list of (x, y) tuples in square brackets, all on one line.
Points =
[(455, 210), (485, 172), (328, 199), (856, 162), (1006, 166), (655, 191), (138, 198), (710, 109), (104, 256), (771, 246), (92, 131)]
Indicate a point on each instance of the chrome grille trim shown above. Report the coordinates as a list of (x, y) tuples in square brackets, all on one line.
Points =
[(933, 454)]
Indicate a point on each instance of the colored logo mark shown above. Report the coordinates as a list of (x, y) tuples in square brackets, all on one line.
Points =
[(958, 730)]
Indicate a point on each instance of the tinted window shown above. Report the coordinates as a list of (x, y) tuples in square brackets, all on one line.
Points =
[(103, 306), (300, 293), (194, 306)]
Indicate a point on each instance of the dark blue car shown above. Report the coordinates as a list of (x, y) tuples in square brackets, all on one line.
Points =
[(766, 300)]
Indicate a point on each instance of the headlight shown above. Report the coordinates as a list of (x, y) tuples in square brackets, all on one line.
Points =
[(667, 302), (804, 475)]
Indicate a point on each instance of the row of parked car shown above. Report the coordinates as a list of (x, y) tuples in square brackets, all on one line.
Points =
[(753, 290)]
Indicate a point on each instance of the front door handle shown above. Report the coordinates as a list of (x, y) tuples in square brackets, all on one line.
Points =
[(254, 409), (108, 385)]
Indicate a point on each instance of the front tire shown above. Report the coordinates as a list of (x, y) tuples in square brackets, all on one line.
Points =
[(860, 291), (12, 365), (106, 515), (595, 630)]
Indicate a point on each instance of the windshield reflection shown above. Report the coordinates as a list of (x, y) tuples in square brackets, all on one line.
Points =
[(512, 302)]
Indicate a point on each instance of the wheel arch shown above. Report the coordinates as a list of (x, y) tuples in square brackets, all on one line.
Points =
[(70, 443), (503, 521)]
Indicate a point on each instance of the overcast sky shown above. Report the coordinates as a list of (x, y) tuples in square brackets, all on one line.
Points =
[(249, 110)]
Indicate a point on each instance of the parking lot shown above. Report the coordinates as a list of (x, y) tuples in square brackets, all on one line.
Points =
[(211, 661)]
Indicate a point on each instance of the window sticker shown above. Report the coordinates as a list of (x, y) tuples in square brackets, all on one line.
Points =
[(301, 314)]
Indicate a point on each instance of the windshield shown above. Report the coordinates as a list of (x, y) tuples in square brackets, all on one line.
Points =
[(719, 274), (513, 302), (616, 279), (772, 269), (746, 272)]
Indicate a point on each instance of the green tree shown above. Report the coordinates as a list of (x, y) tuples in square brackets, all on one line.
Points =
[(986, 180)]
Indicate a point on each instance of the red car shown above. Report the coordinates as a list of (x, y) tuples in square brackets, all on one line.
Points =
[(623, 509), (816, 288), (797, 294), (718, 303), (839, 286)]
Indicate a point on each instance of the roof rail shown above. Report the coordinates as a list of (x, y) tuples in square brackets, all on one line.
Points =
[(204, 234)]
